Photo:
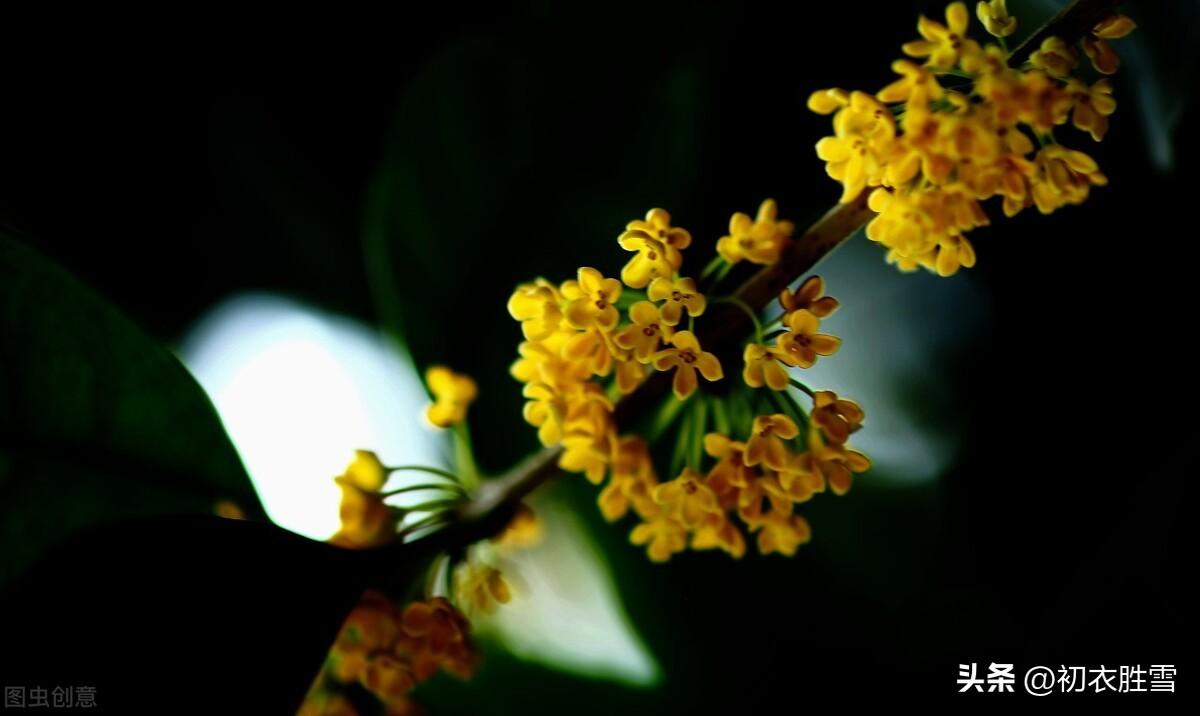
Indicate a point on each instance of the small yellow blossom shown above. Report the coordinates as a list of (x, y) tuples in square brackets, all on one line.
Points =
[(591, 300), (1055, 56), (783, 534), (663, 536), (387, 677), (677, 296), (801, 345), (766, 443), (995, 18), (686, 357), (716, 531), (434, 634), (831, 463), (658, 247), (523, 530), (828, 101), (1096, 47), (1063, 176), (480, 587), (646, 333), (759, 240), (731, 472), (587, 448), (809, 296), (838, 417), (854, 156), (452, 393), (1093, 105), (366, 471), (941, 43), (366, 521), (687, 498), (593, 348), (632, 481), (537, 306), (764, 366), (914, 78), (630, 374)]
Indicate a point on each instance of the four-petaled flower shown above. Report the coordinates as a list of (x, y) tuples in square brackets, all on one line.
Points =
[(646, 334), (942, 44), (810, 296), (592, 298), (801, 345), (766, 443), (677, 296), (658, 246), (687, 498), (686, 358)]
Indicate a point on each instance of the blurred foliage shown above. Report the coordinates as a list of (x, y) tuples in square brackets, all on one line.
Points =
[(97, 422)]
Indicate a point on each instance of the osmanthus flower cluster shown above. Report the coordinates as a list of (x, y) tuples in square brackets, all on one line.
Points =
[(385, 647), (962, 125), (744, 451)]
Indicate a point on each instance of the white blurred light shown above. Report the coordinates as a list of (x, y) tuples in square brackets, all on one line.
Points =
[(298, 392)]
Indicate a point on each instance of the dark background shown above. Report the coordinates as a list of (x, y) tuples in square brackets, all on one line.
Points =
[(465, 152)]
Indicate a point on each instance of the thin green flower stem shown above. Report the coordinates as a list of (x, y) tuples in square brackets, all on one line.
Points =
[(671, 408), (426, 486), (712, 266), (431, 521), (496, 500), (682, 440), (464, 457), (699, 422), (720, 414), (777, 319), (758, 329), (433, 505), (422, 468), (797, 384), (788, 407)]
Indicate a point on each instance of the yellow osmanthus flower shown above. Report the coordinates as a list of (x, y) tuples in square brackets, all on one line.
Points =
[(764, 366), (1096, 46), (1093, 105), (676, 296), (1055, 56), (632, 482), (662, 535), (587, 448), (591, 300), (809, 296), (388, 652), (783, 534), (480, 587), (658, 246), (995, 18), (801, 345), (759, 240), (731, 472), (767, 438), (366, 521), (522, 531), (831, 463), (452, 394), (1063, 176), (686, 357), (716, 531), (687, 498), (941, 43), (647, 332), (538, 307), (837, 417), (952, 147), (863, 134)]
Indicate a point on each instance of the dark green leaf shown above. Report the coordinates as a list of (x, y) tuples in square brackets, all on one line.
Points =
[(98, 423)]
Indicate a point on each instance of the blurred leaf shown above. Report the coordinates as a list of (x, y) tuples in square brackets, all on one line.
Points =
[(97, 422), (567, 613)]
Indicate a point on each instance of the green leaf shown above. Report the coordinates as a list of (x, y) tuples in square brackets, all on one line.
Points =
[(98, 423)]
